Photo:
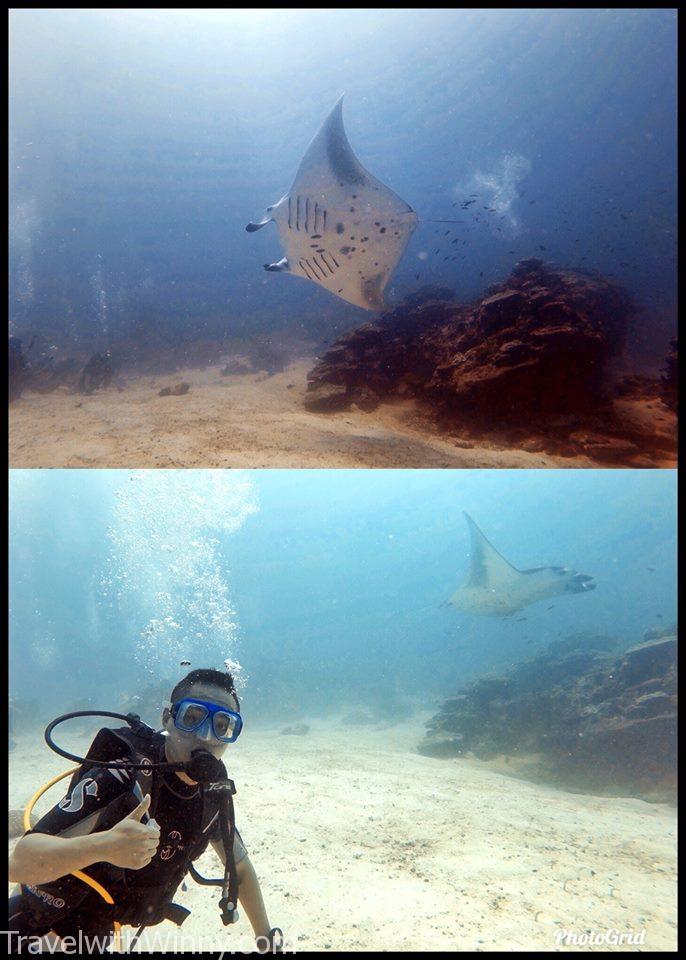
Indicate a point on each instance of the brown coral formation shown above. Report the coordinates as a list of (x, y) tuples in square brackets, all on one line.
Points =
[(531, 361), (578, 714)]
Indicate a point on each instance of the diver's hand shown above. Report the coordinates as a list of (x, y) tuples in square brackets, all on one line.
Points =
[(131, 844)]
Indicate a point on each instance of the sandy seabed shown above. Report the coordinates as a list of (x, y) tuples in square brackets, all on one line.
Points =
[(237, 421), (361, 843)]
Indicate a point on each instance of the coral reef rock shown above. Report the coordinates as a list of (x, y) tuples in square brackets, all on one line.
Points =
[(580, 714), (178, 390), (532, 360)]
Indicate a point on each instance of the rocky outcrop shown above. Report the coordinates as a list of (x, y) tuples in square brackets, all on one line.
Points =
[(178, 390), (530, 361), (97, 373), (579, 715), (536, 348)]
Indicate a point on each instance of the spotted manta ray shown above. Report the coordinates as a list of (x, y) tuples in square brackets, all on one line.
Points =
[(339, 226), (496, 588)]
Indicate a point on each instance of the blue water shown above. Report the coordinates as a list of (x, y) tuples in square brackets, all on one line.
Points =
[(325, 587), (142, 142)]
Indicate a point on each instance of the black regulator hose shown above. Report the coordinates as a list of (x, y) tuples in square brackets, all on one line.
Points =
[(134, 721)]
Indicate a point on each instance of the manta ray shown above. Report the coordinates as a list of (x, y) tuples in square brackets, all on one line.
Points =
[(339, 226), (496, 588)]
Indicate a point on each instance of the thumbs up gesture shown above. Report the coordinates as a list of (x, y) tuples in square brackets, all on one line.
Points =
[(131, 844)]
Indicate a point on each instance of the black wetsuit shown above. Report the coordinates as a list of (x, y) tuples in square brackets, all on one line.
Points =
[(99, 798)]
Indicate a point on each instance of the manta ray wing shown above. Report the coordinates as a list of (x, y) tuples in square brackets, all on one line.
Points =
[(338, 225), (488, 569), (496, 588)]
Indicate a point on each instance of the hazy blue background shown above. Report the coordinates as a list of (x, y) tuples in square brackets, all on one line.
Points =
[(325, 585), (141, 142)]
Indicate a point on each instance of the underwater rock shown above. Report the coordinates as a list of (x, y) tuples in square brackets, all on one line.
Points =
[(178, 390), (535, 349), (579, 714), (426, 293), (97, 373), (365, 399), (327, 398), (534, 358), (296, 730), (602, 448), (643, 662), (49, 375)]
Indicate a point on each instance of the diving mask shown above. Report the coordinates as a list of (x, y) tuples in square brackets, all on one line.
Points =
[(200, 717)]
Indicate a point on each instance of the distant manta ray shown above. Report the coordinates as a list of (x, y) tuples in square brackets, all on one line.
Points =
[(496, 588), (339, 226)]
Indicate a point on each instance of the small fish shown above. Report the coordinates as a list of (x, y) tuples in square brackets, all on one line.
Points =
[(522, 619)]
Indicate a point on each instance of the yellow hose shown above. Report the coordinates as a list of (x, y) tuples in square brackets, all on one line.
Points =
[(75, 873)]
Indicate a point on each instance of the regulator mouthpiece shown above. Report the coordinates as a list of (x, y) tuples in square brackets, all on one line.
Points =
[(204, 768)]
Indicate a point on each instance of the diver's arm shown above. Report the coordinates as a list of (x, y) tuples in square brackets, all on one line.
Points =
[(40, 858), (249, 892)]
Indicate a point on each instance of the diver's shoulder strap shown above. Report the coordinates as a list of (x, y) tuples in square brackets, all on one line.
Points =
[(212, 805), (135, 745)]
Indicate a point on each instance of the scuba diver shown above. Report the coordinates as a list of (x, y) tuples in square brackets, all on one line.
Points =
[(142, 806)]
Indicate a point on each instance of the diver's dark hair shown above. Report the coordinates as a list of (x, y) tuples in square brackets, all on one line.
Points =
[(219, 678)]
